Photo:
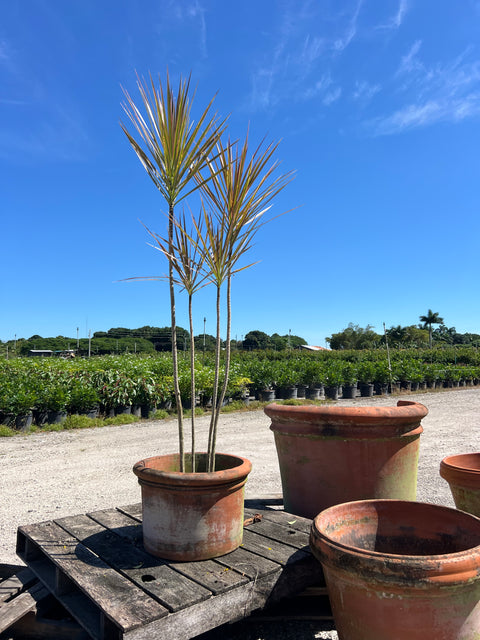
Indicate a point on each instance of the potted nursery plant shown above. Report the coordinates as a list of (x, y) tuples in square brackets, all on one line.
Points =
[(83, 398), (366, 376), (350, 380), (52, 401), (180, 492)]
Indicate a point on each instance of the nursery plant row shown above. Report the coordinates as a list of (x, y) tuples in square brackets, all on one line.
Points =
[(110, 383)]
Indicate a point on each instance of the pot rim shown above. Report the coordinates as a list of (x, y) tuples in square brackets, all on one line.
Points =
[(440, 568), (155, 475), (455, 470), (409, 411), (458, 462)]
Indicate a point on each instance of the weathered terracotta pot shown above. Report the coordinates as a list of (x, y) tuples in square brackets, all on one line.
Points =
[(328, 455), (396, 570), (462, 472), (192, 516)]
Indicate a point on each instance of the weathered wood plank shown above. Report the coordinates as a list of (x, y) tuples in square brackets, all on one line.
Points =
[(271, 549), (20, 605), (249, 564), (208, 574), (286, 519), (216, 577), (227, 607), (133, 510), (173, 590), (120, 523), (113, 594), (13, 585), (280, 532)]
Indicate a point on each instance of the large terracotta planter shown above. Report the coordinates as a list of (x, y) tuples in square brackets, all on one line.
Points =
[(462, 472), (328, 455), (192, 516), (396, 570)]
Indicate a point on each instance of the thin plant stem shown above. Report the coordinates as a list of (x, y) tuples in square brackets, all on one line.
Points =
[(211, 431), (223, 391), (176, 386), (192, 385)]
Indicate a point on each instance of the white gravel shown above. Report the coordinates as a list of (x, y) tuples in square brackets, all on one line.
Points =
[(49, 475)]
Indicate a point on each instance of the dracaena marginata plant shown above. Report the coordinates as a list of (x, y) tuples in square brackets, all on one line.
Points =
[(173, 149), (237, 191)]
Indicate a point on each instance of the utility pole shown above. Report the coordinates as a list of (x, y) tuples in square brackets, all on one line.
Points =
[(89, 343), (204, 322), (388, 353), (78, 340)]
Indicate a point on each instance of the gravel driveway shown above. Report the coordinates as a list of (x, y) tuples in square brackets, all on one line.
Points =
[(50, 475)]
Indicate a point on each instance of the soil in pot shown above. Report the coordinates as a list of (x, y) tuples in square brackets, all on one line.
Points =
[(333, 454), (192, 516), (396, 570), (462, 472)]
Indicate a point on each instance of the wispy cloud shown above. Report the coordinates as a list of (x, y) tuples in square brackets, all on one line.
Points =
[(298, 50), (197, 11), (397, 19), (332, 96), (410, 61), (186, 12), (364, 91), (4, 54), (440, 93), (340, 44), (319, 87)]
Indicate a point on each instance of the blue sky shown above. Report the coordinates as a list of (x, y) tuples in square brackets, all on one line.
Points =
[(377, 104)]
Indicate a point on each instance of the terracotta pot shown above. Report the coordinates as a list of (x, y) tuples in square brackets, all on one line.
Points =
[(462, 472), (396, 570), (192, 516), (328, 455)]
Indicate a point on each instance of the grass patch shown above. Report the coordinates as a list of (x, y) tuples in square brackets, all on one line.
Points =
[(122, 418), (6, 432), (160, 414), (301, 401), (199, 411)]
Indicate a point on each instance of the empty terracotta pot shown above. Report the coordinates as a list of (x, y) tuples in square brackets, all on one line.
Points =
[(398, 570), (462, 472), (329, 455), (192, 516)]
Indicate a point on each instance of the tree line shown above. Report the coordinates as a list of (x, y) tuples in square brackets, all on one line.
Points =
[(412, 336), (146, 339)]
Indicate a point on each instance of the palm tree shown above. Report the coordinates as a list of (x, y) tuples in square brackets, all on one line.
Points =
[(428, 320), (173, 149)]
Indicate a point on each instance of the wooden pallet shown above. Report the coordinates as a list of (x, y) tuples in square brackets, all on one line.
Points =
[(19, 594), (96, 567)]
